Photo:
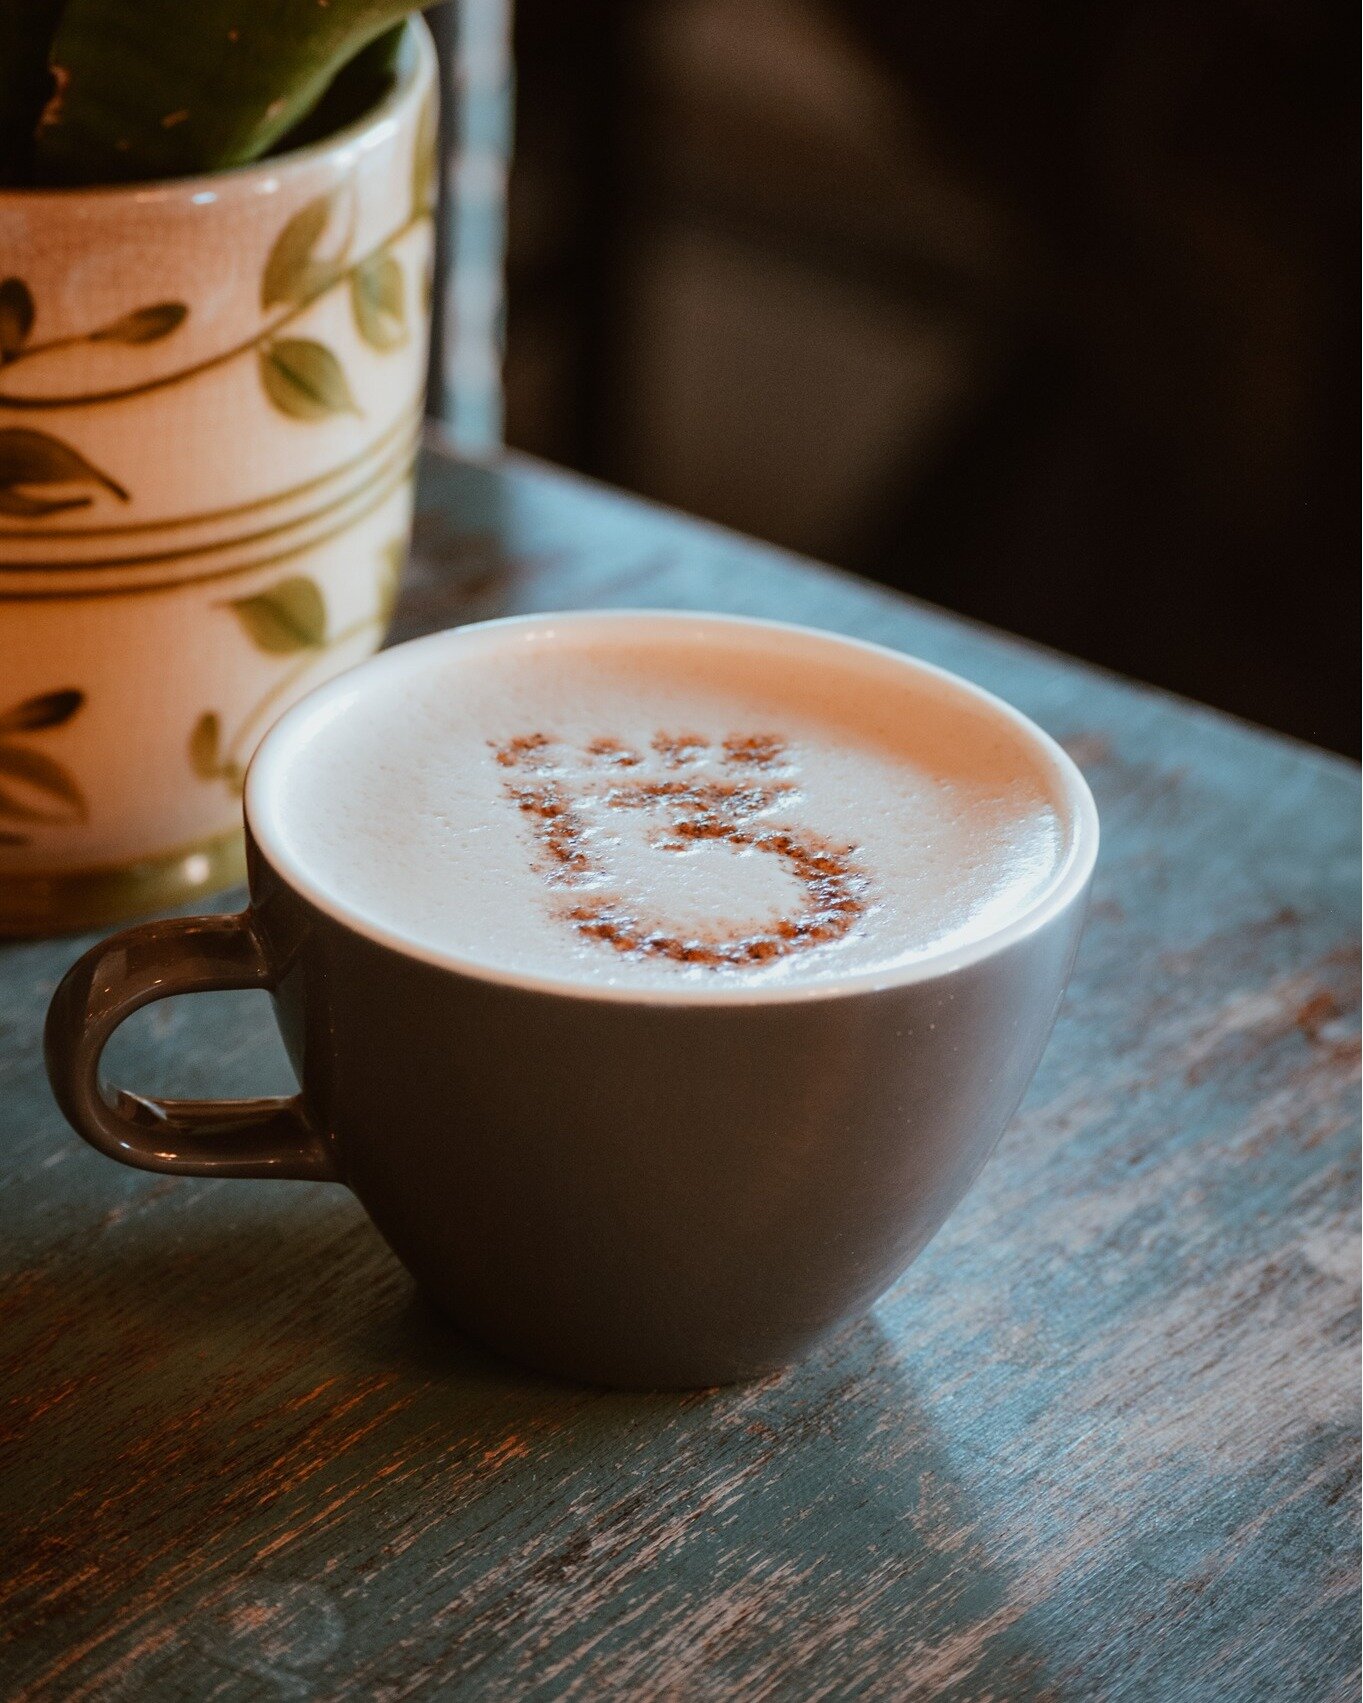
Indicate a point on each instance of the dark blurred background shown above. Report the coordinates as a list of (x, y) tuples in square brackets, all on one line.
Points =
[(1042, 312)]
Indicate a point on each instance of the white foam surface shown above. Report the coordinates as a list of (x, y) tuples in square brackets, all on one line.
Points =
[(409, 804)]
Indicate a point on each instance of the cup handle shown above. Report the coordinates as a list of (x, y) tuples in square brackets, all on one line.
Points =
[(194, 1138)]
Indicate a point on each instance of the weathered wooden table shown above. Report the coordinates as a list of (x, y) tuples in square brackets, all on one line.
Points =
[(1101, 1441)]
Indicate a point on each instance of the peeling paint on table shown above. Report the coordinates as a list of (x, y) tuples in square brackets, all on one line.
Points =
[(1100, 1442)]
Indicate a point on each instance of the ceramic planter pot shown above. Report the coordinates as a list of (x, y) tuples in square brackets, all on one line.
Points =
[(210, 397)]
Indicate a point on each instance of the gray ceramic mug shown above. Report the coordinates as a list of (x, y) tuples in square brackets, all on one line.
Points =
[(622, 1187)]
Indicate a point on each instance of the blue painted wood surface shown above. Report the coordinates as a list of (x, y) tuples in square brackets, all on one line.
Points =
[(1100, 1442)]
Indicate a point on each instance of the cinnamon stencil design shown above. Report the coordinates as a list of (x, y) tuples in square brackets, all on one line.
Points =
[(693, 791)]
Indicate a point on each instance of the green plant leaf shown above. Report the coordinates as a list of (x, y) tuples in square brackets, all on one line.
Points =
[(203, 746), (291, 274), (16, 317), (48, 709), (42, 783), (29, 457), (26, 29), (165, 88), (378, 300), (144, 324), (290, 616), (304, 379), (357, 87), (425, 158)]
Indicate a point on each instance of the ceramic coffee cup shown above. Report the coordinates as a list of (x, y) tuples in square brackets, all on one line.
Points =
[(672, 1188)]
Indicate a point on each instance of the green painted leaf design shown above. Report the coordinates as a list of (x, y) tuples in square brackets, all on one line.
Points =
[(25, 507), (290, 616), (393, 557), (144, 324), (48, 709), (34, 788), (379, 301), (291, 274), (203, 746), (15, 810), (425, 161), (29, 457), (16, 316), (305, 380)]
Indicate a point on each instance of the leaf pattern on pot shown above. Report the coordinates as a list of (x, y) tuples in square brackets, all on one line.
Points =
[(48, 709), (32, 458), (34, 787), (203, 746), (377, 298), (302, 378), (305, 380), (143, 324), (291, 273), (206, 757), (288, 617), (16, 317), (425, 161), (393, 557)]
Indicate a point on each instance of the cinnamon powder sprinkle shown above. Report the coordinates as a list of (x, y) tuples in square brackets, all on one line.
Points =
[(612, 751), (690, 809), (678, 749), (518, 752), (757, 750)]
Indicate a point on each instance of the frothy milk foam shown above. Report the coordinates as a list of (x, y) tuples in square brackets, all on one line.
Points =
[(640, 808)]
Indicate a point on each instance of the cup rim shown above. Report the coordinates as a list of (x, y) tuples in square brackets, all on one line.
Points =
[(415, 70), (1066, 884)]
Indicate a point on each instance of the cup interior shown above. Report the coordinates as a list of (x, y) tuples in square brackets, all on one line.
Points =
[(870, 686)]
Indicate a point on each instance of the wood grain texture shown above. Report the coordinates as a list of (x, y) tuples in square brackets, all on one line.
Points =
[(1100, 1442)]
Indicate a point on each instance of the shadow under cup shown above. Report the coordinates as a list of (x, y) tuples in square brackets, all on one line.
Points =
[(637, 1187)]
